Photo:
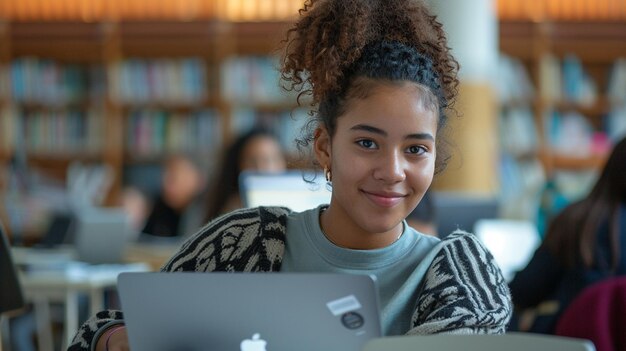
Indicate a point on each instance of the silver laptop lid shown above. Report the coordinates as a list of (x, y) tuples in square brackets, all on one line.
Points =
[(288, 189), (102, 235), (249, 311)]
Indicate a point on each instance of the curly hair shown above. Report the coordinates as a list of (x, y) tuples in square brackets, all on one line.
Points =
[(337, 43)]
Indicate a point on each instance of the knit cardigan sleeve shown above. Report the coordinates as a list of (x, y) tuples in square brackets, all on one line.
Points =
[(247, 240), (463, 291)]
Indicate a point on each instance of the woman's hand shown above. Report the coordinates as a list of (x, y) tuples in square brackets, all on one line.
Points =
[(113, 339)]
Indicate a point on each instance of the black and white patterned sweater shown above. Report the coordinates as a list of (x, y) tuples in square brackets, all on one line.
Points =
[(463, 291)]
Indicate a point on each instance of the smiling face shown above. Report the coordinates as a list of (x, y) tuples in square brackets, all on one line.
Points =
[(382, 159)]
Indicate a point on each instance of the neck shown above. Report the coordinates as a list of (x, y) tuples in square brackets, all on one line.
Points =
[(345, 234)]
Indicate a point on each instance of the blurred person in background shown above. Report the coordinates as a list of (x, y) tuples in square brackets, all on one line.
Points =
[(177, 208), (584, 244), (257, 150)]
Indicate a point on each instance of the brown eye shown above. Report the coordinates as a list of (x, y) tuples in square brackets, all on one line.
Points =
[(418, 150), (366, 143)]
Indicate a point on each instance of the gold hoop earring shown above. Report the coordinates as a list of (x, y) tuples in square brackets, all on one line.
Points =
[(327, 174)]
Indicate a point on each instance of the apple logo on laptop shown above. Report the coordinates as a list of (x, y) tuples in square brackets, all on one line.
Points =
[(254, 344)]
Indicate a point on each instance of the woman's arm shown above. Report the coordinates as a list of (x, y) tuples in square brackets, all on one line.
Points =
[(463, 291), (537, 280), (245, 240)]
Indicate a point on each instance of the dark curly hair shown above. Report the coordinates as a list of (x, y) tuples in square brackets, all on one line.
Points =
[(340, 49)]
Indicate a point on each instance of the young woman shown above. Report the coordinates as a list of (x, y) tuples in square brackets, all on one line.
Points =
[(381, 77), (256, 150), (585, 244)]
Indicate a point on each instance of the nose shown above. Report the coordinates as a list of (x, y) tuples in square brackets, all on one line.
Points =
[(391, 168)]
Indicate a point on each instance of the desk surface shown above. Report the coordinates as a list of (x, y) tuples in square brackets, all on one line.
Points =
[(55, 276), (62, 260)]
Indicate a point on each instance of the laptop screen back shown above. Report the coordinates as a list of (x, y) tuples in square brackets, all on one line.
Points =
[(462, 211), (102, 235), (249, 311), (289, 189)]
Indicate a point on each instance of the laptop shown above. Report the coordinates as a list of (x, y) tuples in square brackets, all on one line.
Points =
[(249, 311), (102, 235), (508, 342), (456, 210), (288, 189), (11, 296)]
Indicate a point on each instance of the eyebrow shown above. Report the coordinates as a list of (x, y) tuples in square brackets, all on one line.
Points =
[(371, 129)]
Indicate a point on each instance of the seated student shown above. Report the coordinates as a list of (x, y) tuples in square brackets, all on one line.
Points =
[(173, 211), (381, 76), (585, 243), (256, 150)]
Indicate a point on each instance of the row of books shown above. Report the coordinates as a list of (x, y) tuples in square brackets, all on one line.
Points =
[(6, 130), (49, 82), (70, 131), (566, 81), (617, 82), (160, 80), (244, 80), (513, 83), (616, 121), (155, 132), (571, 134), (518, 132), (249, 80)]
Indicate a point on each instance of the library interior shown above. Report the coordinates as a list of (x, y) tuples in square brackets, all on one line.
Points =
[(128, 125)]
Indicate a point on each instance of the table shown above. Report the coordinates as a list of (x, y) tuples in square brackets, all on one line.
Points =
[(54, 276)]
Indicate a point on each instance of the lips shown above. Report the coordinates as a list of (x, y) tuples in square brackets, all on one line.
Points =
[(384, 199)]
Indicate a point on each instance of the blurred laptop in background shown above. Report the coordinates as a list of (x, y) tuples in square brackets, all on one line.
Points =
[(102, 235), (457, 210), (288, 189)]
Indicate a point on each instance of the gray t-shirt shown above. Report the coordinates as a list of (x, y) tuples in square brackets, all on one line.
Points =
[(399, 267)]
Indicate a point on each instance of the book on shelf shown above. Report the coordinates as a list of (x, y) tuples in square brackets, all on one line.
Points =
[(518, 133), (252, 80), (43, 81), (521, 181), (569, 133), (616, 90), (5, 83), (513, 84), (61, 132), (168, 81), (150, 132), (616, 122), (550, 78), (578, 87), (7, 129)]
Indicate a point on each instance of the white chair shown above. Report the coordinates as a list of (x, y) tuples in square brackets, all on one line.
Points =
[(504, 342)]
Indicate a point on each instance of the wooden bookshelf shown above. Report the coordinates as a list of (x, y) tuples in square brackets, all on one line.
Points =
[(105, 44), (598, 44)]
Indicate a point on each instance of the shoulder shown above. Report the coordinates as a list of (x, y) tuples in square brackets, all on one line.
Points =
[(234, 240), (463, 290), (463, 256), (245, 220)]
